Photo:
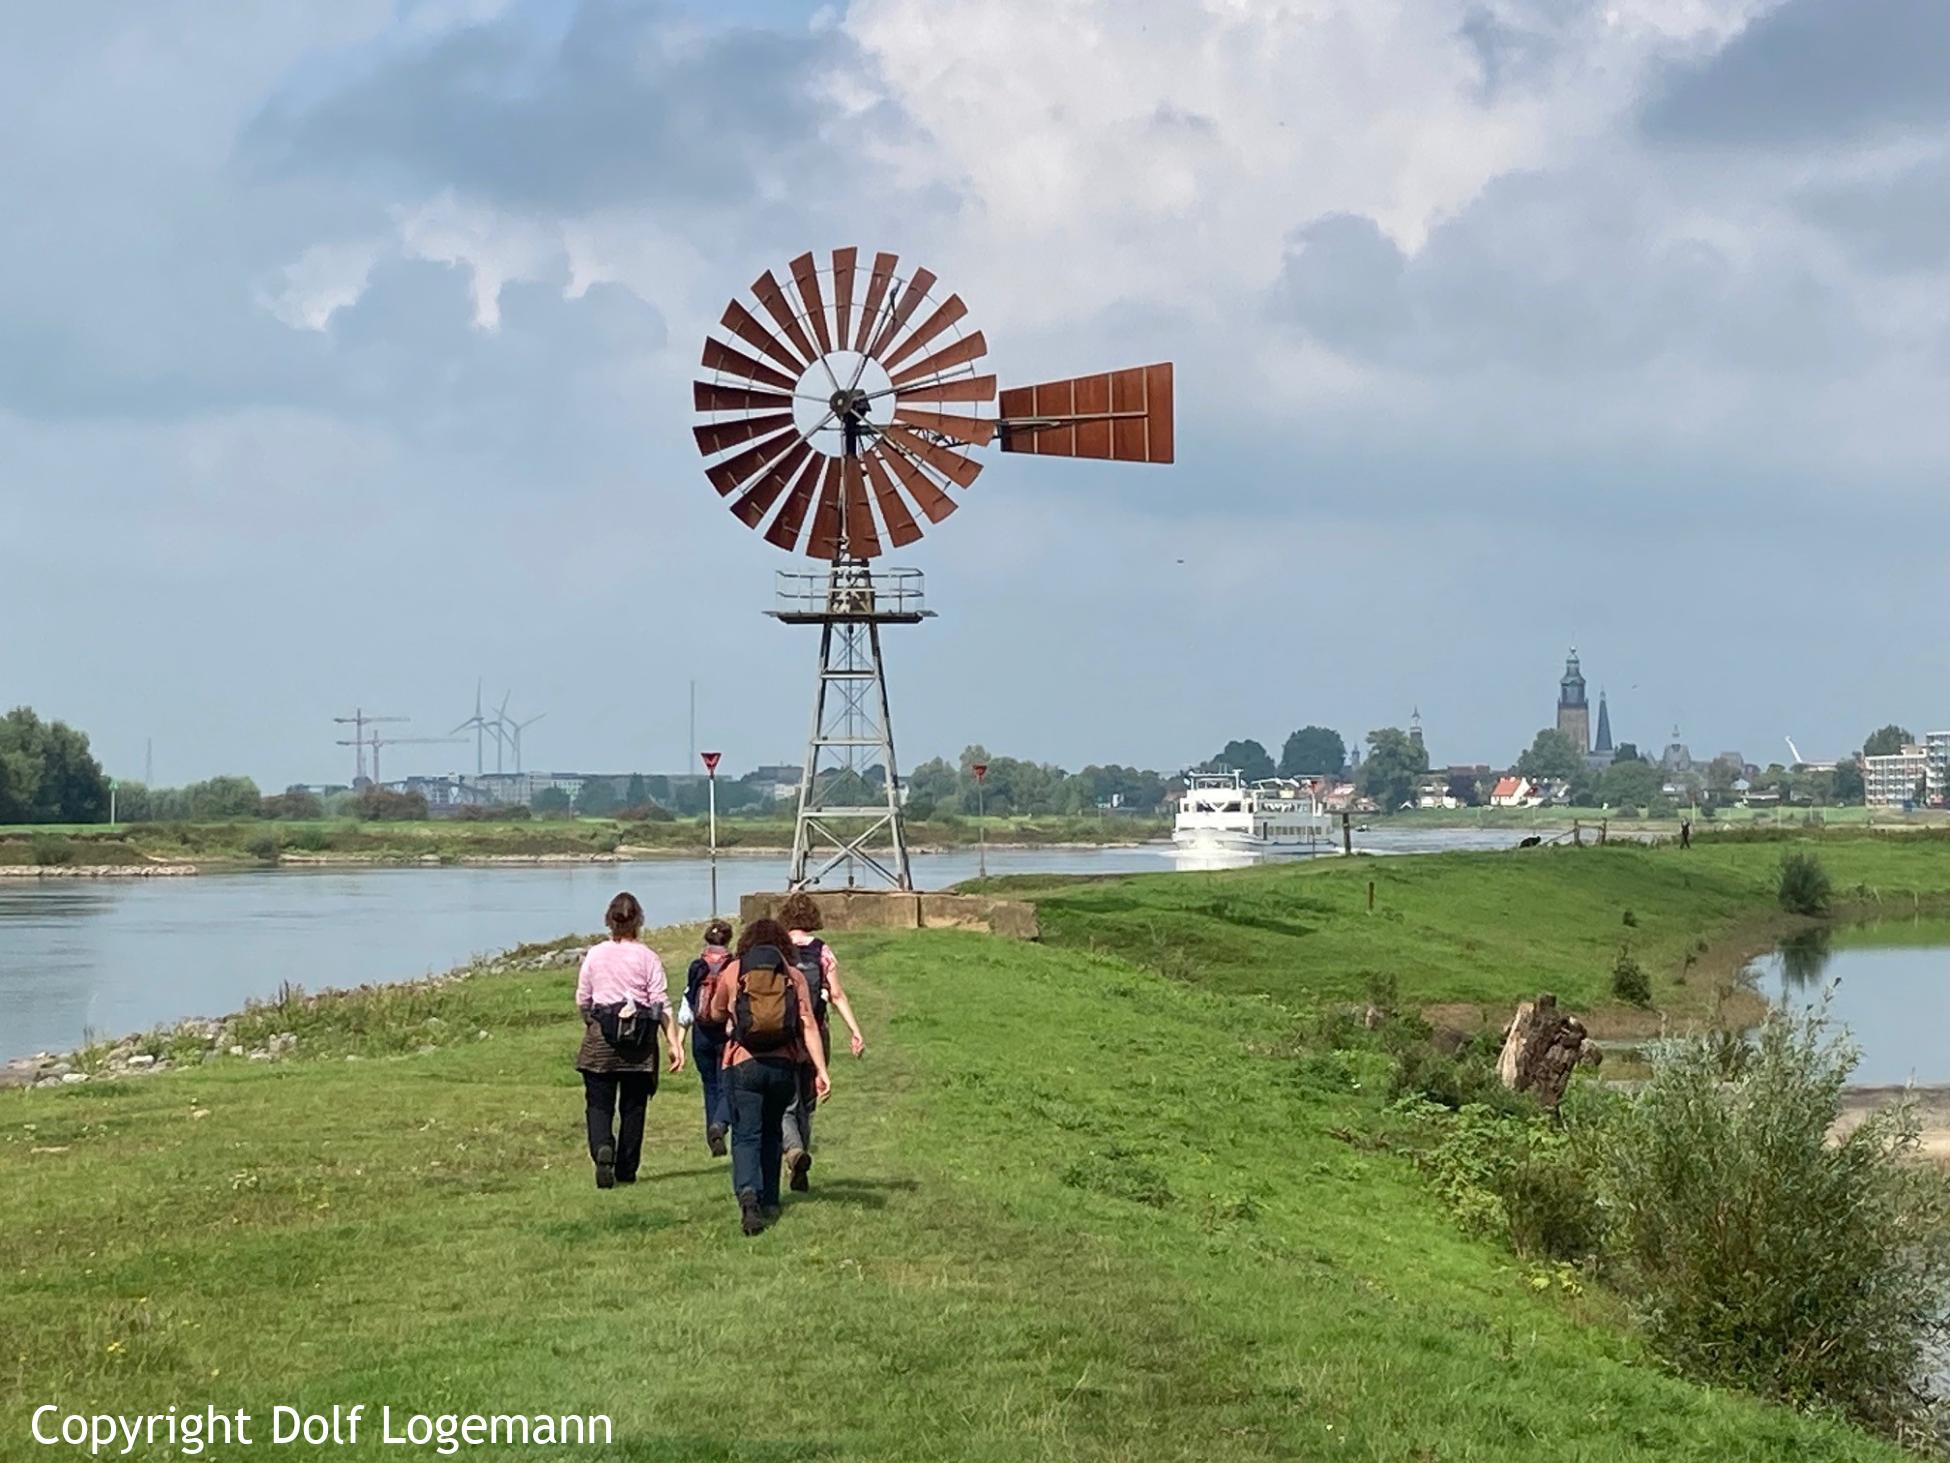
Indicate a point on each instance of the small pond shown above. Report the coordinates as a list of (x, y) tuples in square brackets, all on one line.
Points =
[(1887, 982)]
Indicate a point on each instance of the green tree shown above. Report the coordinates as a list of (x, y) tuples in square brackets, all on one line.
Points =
[(47, 774), (1393, 766), (1626, 752), (1629, 785), (219, 798), (597, 799), (1551, 755), (293, 802), (1247, 757), (1313, 751), (1888, 739), (550, 802), (1848, 781), (1465, 789)]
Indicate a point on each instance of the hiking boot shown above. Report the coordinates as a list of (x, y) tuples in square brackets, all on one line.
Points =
[(605, 1167), (714, 1139), (799, 1162), (769, 1213), (750, 1217)]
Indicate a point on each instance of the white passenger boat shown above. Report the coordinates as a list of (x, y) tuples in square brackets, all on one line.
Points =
[(1222, 813)]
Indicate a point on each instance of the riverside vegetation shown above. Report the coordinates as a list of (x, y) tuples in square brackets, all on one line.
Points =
[(1189, 1177), (243, 843)]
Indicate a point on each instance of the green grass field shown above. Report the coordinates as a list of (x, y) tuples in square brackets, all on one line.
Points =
[(1068, 1207)]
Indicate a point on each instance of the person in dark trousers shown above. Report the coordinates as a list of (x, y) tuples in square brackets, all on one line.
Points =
[(707, 1037), (761, 999), (625, 1005), (821, 968)]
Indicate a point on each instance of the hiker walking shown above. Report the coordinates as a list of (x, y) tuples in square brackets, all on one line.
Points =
[(821, 969), (762, 1000), (707, 1037), (625, 1004)]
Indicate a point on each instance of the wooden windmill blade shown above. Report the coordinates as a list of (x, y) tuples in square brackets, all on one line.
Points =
[(1116, 416)]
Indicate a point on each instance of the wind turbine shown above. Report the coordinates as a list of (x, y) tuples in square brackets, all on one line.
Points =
[(500, 727), (515, 730), (481, 725)]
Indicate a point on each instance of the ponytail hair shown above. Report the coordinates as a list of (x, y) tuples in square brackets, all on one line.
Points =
[(624, 917)]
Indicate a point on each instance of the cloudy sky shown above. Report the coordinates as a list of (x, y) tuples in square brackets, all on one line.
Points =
[(344, 353)]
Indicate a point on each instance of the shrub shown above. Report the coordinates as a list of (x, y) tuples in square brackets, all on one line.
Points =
[(1804, 887), (310, 840), (263, 847), (1631, 920), (1514, 1177), (294, 804), (1759, 1253), (50, 850), (646, 813), (381, 805), (1629, 982), (1465, 1077)]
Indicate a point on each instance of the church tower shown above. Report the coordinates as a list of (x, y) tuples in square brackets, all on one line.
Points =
[(1573, 711), (1603, 743)]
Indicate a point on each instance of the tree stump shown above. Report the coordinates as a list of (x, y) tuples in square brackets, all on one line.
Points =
[(1541, 1048)]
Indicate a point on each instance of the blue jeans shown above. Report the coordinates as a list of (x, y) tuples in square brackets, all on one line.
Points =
[(761, 1090), (707, 1050)]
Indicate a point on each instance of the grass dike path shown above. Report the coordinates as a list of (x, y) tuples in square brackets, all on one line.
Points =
[(1078, 1202)]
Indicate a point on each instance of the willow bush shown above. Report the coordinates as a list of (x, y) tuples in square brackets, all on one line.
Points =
[(1761, 1254)]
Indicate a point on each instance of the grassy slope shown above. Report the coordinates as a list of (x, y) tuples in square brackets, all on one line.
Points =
[(1477, 927), (1062, 1211)]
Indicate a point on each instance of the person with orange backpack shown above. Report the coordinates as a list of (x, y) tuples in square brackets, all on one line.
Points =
[(817, 963), (761, 1001)]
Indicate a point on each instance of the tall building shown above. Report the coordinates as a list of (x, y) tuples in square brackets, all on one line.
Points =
[(1896, 780), (1573, 711), (1415, 730)]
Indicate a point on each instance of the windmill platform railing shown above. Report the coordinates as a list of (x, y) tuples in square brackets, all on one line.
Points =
[(851, 592)]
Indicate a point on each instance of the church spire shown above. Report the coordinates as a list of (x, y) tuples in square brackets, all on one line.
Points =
[(1604, 725)]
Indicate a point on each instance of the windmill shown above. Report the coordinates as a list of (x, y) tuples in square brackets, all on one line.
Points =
[(826, 422)]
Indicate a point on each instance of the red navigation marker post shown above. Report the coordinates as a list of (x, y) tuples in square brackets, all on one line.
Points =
[(711, 771), (981, 771)]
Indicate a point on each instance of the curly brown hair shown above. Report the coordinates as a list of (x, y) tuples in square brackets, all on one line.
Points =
[(763, 932), (800, 912)]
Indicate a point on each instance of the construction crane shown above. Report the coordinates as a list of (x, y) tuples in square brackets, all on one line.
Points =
[(376, 741), (359, 721), (1795, 752)]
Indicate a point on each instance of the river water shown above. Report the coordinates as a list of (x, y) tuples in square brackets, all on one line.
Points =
[(1887, 982), (110, 956)]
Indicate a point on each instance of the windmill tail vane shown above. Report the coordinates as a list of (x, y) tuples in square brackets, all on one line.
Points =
[(845, 403)]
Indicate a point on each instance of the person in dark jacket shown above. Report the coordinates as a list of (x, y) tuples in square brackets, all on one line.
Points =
[(624, 1000), (708, 1037)]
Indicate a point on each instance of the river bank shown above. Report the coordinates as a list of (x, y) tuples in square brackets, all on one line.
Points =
[(269, 842)]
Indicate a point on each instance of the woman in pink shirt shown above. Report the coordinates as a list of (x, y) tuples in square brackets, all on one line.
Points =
[(625, 1003)]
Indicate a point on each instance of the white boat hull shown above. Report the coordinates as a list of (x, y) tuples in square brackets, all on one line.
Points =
[(1244, 843)]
